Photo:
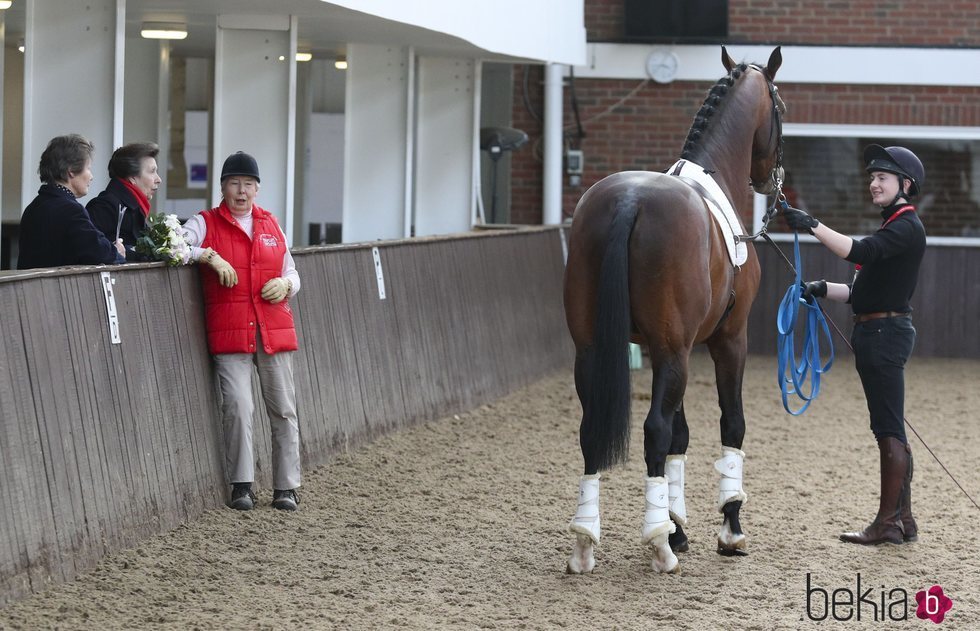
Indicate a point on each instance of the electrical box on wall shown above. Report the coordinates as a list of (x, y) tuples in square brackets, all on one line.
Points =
[(574, 162)]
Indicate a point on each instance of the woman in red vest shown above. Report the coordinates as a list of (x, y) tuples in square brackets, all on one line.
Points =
[(247, 282)]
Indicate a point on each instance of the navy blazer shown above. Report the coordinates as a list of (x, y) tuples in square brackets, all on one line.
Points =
[(104, 211), (55, 230)]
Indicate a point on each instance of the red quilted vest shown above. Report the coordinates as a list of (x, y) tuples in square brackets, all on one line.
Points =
[(232, 314)]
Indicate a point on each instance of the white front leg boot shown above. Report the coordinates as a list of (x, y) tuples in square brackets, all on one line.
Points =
[(675, 478), (585, 525), (657, 525), (730, 490)]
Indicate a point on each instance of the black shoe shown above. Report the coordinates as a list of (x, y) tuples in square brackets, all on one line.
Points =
[(242, 497), (285, 500)]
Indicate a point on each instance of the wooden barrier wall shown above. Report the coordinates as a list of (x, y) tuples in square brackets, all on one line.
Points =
[(102, 444), (946, 303)]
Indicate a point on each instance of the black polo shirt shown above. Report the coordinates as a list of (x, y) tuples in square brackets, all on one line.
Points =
[(889, 261)]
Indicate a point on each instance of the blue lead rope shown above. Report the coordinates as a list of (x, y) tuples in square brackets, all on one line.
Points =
[(809, 364)]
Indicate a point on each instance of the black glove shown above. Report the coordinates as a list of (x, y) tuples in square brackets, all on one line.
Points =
[(815, 288), (799, 220)]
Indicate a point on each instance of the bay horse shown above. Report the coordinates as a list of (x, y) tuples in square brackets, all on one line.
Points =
[(648, 263)]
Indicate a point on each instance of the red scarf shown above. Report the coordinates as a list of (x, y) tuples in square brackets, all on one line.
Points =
[(139, 195), (900, 211)]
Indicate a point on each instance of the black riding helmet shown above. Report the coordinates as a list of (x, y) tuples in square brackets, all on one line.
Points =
[(897, 160)]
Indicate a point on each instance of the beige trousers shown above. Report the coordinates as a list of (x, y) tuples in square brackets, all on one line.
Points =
[(234, 371)]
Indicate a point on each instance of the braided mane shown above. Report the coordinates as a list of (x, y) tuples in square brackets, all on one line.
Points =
[(708, 108)]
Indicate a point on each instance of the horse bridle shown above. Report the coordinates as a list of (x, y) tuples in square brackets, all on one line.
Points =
[(775, 174)]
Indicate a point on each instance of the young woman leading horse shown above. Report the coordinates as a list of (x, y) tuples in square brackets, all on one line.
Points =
[(654, 258)]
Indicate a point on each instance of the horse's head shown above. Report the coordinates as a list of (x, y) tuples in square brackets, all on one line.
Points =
[(766, 174)]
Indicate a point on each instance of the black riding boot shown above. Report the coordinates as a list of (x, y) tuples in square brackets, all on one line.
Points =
[(887, 526)]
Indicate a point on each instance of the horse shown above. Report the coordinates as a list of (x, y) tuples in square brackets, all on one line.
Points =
[(647, 263)]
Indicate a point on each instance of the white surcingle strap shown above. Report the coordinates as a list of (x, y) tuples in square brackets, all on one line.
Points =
[(730, 484), (586, 520), (674, 471), (656, 518)]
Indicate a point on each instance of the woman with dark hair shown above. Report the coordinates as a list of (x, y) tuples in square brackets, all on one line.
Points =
[(120, 211), (55, 229)]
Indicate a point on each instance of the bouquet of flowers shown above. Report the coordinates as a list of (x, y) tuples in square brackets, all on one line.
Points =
[(163, 240)]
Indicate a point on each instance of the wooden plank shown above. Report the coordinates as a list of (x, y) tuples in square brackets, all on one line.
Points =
[(20, 521), (87, 483)]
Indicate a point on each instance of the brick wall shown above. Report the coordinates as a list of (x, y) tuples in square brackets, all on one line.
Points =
[(839, 22), (647, 131)]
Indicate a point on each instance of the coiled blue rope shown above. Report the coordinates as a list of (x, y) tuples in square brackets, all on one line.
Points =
[(809, 363)]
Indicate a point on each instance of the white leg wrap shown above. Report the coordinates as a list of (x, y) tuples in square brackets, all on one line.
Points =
[(675, 479), (656, 519), (586, 520), (730, 485)]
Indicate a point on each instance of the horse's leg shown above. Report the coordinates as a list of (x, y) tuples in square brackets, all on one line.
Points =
[(585, 525), (729, 357), (674, 468), (669, 381)]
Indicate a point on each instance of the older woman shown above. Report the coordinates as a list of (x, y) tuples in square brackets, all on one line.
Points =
[(55, 230), (249, 322), (120, 211)]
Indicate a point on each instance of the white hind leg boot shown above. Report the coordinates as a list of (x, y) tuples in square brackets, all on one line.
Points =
[(657, 525), (730, 490), (585, 526), (675, 480), (730, 485)]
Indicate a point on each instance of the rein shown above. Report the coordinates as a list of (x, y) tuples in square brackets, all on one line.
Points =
[(809, 364)]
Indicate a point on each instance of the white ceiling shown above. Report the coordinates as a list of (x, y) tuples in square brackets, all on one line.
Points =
[(324, 29)]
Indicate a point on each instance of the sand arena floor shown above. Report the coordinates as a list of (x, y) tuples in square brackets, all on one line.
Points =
[(460, 524)]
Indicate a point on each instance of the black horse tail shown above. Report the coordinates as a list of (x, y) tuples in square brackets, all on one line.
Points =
[(602, 372)]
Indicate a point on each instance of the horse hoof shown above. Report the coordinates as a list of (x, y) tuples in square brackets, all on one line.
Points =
[(678, 541), (582, 560), (731, 544), (732, 548), (664, 560)]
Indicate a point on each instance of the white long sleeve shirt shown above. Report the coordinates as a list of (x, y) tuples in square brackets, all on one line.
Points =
[(195, 229)]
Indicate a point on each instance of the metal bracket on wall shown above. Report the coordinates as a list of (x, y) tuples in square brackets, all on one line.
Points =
[(380, 273), (110, 307)]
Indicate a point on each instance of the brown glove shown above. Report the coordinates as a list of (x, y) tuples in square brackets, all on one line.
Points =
[(276, 289), (227, 275)]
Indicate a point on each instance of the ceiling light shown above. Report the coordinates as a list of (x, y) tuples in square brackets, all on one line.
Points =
[(341, 63), (163, 30), (5, 4), (304, 56)]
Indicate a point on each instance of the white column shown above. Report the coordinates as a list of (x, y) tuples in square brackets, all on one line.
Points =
[(253, 92), (444, 146), (69, 81), (163, 123), (376, 142), (552, 143), (3, 50)]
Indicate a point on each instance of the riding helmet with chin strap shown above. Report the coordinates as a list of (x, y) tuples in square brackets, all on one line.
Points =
[(897, 160)]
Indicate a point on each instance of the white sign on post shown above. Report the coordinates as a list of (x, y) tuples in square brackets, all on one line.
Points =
[(110, 307)]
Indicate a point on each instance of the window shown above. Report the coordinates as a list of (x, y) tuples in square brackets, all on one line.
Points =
[(670, 20), (825, 175)]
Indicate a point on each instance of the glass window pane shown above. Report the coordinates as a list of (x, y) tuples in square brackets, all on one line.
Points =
[(826, 177)]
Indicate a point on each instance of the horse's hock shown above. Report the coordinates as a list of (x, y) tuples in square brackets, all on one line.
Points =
[(102, 444)]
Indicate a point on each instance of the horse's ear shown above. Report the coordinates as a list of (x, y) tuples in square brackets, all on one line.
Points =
[(775, 61), (727, 60)]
